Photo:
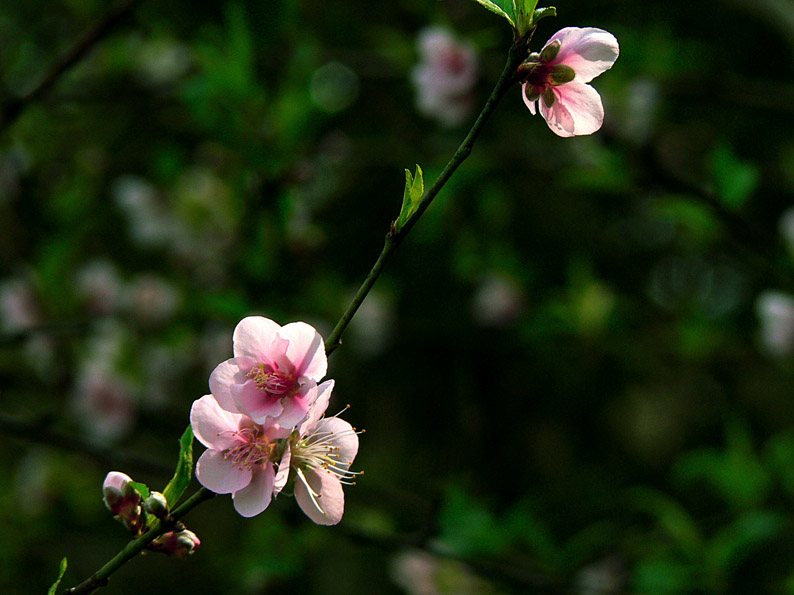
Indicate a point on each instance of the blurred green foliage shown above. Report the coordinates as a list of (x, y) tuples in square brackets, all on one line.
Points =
[(564, 382)]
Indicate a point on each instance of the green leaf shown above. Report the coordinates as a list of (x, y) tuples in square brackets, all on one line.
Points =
[(504, 8), (61, 572), (414, 189), (141, 488), (184, 468)]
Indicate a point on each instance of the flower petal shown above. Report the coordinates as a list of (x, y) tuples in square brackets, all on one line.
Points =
[(577, 110), (253, 336), (255, 403), (283, 471), (220, 475), (254, 498), (306, 350), (330, 497), (297, 406), (318, 407), (589, 51), (530, 103), (224, 376), (345, 438), (214, 427)]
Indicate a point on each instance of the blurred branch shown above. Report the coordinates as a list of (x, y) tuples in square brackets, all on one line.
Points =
[(136, 546), (12, 109), (39, 433), (520, 577), (396, 235)]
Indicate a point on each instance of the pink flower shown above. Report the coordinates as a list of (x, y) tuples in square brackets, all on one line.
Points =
[(556, 79), (274, 372), (321, 451), (239, 459), (179, 544)]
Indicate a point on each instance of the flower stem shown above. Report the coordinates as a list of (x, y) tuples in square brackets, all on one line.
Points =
[(395, 236), (136, 546)]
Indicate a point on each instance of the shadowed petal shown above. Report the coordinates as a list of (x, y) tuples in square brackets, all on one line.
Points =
[(306, 350), (283, 472), (318, 407), (330, 497), (297, 406), (577, 110), (255, 403), (214, 427), (589, 51), (530, 103), (254, 498), (220, 475), (224, 376), (345, 438)]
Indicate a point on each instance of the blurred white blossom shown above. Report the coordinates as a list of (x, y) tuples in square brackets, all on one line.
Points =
[(775, 310), (497, 301), (445, 76)]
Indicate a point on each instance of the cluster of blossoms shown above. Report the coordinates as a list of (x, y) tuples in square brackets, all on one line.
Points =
[(130, 509), (264, 424)]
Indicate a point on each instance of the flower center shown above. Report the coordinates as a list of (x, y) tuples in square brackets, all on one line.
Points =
[(254, 448), (272, 381), (319, 451)]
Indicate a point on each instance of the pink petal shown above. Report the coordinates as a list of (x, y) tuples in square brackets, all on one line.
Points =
[(345, 437), (318, 407), (213, 426), (589, 51), (297, 406), (331, 499), (254, 498), (306, 350), (255, 403), (116, 480), (577, 110), (283, 472), (220, 475), (529, 102), (253, 336), (224, 376)]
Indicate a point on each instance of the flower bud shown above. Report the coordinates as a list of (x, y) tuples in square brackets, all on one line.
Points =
[(180, 544), (157, 505), (123, 500)]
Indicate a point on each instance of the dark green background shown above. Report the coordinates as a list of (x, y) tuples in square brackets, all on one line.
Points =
[(624, 421)]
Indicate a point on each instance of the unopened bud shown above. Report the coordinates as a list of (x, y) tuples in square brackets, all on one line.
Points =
[(157, 505), (180, 544), (123, 500)]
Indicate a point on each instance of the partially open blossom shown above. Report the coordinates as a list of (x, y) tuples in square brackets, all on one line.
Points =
[(274, 372), (555, 80), (179, 544), (321, 451), (240, 455), (123, 500)]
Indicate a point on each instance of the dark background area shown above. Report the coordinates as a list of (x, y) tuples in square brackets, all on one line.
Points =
[(572, 375)]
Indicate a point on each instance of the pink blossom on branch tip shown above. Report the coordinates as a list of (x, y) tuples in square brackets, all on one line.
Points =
[(555, 81), (274, 372)]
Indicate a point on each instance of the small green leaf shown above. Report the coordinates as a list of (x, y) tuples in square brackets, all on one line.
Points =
[(184, 468), (61, 572), (504, 8), (414, 189), (141, 488)]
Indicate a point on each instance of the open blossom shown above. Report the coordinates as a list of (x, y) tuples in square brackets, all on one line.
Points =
[(320, 453), (239, 456), (274, 372), (555, 81)]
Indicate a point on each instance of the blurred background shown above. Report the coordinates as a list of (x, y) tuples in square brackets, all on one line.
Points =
[(576, 375)]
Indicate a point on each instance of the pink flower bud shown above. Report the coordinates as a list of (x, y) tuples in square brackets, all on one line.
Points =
[(123, 500)]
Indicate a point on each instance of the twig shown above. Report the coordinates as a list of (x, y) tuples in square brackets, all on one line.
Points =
[(13, 108)]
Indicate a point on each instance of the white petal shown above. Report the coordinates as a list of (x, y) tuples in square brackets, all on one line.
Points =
[(220, 475), (530, 103), (330, 497), (213, 426), (253, 336), (577, 110), (345, 438), (256, 497), (589, 51)]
